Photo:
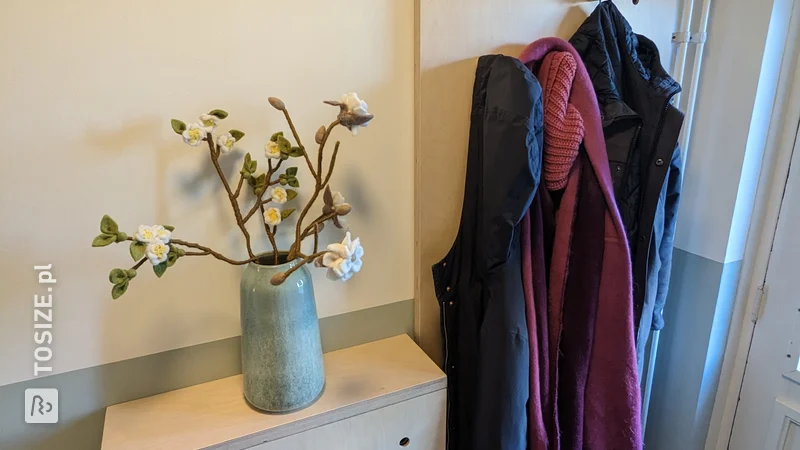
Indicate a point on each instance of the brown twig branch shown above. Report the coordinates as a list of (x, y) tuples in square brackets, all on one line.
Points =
[(299, 144), (239, 186), (317, 189), (203, 252), (139, 264), (211, 252), (271, 236), (234, 204), (259, 204), (330, 167), (324, 217), (281, 277)]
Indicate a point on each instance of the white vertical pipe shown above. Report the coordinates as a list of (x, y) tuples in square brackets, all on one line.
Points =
[(678, 69), (679, 63), (648, 387), (694, 83)]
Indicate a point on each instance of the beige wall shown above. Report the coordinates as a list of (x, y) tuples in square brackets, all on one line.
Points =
[(452, 35), (88, 88)]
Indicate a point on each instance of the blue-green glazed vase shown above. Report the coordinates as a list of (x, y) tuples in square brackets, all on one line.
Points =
[(281, 349)]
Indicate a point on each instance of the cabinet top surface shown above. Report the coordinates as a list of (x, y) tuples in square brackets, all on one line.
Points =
[(215, 415)]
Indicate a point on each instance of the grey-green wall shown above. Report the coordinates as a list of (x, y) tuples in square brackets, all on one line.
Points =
[(84, 394), (697, 318)]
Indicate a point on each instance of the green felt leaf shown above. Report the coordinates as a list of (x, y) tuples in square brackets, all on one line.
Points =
[(284, 156), (160, 269), (119, 289), (117, 276), (178, 126), (247, 158), (252, 166), (172, 257), (291, 194), (121, 236), (168, 227), (286, 212), (238, 135), (108, 226), (291, 171), (180, 251), (219, 113), (275, 136), (260, 184), (293, 182), (131, 273), (104, 239), (251, 180), (283, 181), (138, 250), (284, 145), (296, 152)]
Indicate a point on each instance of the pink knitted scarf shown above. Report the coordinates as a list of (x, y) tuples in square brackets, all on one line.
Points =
[(563, 124)]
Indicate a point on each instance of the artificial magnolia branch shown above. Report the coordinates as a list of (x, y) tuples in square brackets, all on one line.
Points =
[(155, 243)]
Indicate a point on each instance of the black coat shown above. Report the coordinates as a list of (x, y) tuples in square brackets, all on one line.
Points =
[(479, 283), (641, 129)]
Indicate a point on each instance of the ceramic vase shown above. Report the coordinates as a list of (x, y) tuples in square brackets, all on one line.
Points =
[(281, 349)]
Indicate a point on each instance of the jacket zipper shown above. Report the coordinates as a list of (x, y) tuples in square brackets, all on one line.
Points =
[(661, 121), (446, 370), (634, 141)]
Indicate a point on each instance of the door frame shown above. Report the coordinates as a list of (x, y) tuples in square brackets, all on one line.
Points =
[(781, 140)]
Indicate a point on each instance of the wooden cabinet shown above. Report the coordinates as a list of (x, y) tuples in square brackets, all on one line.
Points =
[(413, 424), (385, 394)]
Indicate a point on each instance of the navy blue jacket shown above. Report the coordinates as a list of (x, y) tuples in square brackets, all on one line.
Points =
[(641, 129), (479, 283)]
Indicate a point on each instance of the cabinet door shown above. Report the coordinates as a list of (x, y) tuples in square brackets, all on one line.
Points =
[(417, 424)]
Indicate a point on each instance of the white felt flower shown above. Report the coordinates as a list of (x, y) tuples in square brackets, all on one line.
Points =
[(157, 252), (151, 233), (357, 107), (225, 142), (343, 260), (279, 195), (194, 134), (162, 234), (272, 150), (145, 233), (272, 216), (338, 199), (209, 122), (335, 202)]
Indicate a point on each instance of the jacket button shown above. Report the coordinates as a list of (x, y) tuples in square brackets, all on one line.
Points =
[(659, 162), (451, 303), (447, 289), (444, 264)]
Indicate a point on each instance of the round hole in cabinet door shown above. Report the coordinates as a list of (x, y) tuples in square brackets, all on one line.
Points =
[(404, 442)]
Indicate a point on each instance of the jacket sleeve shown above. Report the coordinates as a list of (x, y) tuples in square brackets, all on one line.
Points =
[(512, 158), (674, 178)]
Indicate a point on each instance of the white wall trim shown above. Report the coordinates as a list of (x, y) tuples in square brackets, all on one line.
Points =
[(772, 179)]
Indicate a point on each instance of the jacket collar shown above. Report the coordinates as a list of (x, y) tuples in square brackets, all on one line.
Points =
[(607, 32)]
